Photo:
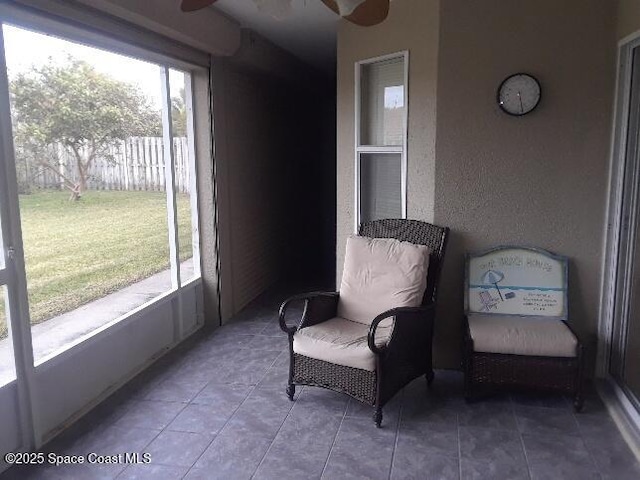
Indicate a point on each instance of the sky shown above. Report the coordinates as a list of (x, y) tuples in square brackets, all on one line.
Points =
[(24, 48), (394, 96)]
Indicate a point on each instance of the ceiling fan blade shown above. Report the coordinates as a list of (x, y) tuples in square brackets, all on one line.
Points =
[(193, 5), (332, 5), (367, 14)]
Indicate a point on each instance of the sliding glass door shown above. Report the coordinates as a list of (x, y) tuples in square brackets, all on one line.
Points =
[(98, 213), (7, 358), (15, 344), (625, 352), (103, 214)]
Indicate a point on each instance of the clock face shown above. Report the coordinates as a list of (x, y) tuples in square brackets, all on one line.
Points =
[(519, 94)]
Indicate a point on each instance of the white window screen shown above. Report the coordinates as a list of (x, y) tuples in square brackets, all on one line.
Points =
[(380, 186), (382, 102)]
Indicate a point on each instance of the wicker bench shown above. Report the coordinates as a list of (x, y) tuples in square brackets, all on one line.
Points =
[(516, 331)]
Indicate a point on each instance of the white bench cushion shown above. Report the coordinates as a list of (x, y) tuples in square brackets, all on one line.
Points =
[(380, 274), (340, 341), (537, 336)]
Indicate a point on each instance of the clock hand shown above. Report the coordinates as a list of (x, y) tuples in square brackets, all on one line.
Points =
[(521, 107)]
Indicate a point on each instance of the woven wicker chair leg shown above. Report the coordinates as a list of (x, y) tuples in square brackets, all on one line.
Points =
[(430, 376), (291, 391), (377, 416)]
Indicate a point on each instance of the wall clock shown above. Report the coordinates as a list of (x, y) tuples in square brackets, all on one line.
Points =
[(519, 94)]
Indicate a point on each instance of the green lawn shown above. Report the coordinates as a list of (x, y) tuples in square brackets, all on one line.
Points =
[(79, 251)]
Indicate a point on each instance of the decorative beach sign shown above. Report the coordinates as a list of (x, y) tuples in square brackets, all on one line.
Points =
[(516, 281)]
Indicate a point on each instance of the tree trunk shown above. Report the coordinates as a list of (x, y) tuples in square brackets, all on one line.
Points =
[(81, 185), (68, 183), (76, 194)]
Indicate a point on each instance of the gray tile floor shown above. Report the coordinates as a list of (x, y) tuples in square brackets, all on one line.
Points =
[(216, 409)]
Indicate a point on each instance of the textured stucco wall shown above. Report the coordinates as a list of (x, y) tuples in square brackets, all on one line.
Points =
[(628, 17), (412, 25), (537, 180)]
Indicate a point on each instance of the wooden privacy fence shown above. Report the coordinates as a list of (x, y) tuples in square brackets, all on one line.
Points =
[(136, 163)]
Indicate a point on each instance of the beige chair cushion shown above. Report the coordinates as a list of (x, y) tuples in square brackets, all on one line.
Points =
[(537, 336), (340, 341), (379, 274)]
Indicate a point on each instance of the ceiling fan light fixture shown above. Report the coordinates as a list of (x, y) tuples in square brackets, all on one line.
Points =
[(346, 7)]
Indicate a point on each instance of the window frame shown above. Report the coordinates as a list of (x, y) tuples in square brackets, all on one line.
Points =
[(42, 24), (79, 25), (615, 396), (361, 149), (35, 418)]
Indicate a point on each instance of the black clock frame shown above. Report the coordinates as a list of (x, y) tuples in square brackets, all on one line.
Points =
[(507, 79)]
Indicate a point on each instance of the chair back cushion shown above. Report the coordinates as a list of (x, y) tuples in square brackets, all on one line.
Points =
[(379, 274), (419, 233)]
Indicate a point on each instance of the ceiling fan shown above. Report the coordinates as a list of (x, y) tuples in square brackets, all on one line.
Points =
[(361, 12)]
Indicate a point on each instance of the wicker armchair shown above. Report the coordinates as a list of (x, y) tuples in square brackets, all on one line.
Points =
[(403, 357)]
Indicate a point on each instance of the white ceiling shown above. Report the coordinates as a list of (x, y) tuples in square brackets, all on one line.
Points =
[(309, 32)]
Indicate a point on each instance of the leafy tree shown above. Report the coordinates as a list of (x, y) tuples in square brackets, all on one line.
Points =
[(80, 108)]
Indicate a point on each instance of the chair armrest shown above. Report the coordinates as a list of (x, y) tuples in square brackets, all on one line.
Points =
[(408, 320), (318, 307)]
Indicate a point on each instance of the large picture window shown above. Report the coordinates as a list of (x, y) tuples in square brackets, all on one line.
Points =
[(381, 137), (105, 166)]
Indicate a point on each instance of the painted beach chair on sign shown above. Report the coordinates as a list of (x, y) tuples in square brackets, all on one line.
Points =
[(517, 333)]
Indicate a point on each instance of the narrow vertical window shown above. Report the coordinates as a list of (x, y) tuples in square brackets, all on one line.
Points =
[(381, 137)]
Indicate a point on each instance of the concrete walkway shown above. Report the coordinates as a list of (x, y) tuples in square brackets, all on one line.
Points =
[(56, 333)]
